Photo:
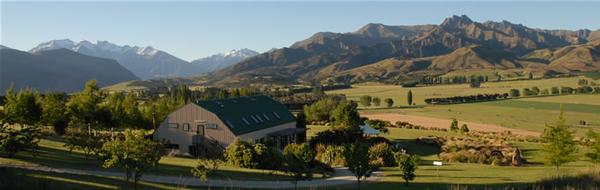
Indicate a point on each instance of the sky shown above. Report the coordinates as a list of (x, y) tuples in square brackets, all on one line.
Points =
[(193, 29)]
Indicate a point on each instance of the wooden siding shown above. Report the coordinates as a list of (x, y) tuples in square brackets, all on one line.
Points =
[(192, 114)]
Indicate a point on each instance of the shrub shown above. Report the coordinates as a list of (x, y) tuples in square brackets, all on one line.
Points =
[(331, 154), (379, 125), (389, 102), (381, 154), (366, 100), (268, 157), (241, 153), (464, 128), (335, 137), (514, 93), (376, 101)]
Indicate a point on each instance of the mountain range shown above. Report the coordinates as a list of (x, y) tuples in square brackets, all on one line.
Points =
[(147, 62), (379, 52), (59, 70), (222, 60)]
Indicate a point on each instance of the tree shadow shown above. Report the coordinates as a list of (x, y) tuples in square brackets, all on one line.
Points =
[(413, 147)]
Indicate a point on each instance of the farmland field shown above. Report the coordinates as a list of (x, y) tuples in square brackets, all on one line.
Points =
[(398, 93), (517, 114)]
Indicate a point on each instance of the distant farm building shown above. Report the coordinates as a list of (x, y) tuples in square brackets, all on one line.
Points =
[(217, 123)]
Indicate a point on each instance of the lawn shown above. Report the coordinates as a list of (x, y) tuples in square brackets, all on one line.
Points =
[(398, 93), (53, 154), (26, 179)]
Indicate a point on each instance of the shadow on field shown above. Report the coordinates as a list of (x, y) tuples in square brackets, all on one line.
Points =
[(413, 147)]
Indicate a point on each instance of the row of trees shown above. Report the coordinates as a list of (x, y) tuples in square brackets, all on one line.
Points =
[(454, 79), (466, 99), (564, 90), (369, 101)]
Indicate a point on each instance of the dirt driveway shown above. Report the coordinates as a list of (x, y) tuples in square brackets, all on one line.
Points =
[(444, 123)]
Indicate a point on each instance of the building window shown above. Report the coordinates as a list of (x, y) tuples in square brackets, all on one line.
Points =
[(200, 130), (276, 115), (186, 127), (245, 121), (211, 126), (229, 123), (266, 117), (173, 125), (259, 118)]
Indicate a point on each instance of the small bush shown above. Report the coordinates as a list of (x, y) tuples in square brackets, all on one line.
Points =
[(381, 154)]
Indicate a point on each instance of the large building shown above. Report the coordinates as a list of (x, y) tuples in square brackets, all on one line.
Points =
[(219, 122)]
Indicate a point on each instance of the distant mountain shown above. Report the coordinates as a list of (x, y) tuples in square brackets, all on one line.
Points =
[(457, 43), (222, 60), (57, 70), (144, 62)]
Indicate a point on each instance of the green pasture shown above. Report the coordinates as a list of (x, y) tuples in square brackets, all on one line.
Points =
[(525, 114), (398, 93)]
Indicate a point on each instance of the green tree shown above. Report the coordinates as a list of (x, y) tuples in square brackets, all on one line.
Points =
[(454, 125), (135, 154), (409, 98), (83, 107), (555, 90), (514, 93), (23, 107), (408, 165), (358, 161), (125, 111), (366, 100), (535, 90), (298, 158), (13, 140), (204, 168), (594, 145), (389, 102), (346, 116), (559, 146), (376, 101), (54, 112), (464, 128)]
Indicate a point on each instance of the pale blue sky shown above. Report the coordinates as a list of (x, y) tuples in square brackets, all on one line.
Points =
[(192, 30)]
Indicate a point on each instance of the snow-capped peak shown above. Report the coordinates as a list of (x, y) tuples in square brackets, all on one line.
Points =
[(148, 50), (244, 52), (103, 46), (54, 44)]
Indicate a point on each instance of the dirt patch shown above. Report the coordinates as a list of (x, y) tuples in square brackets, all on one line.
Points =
[(444, 123)]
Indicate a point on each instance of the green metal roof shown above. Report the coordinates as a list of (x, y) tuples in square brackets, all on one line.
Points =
[(248, 114)]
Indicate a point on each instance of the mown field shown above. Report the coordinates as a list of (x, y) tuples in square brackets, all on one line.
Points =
[(528, 114)]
